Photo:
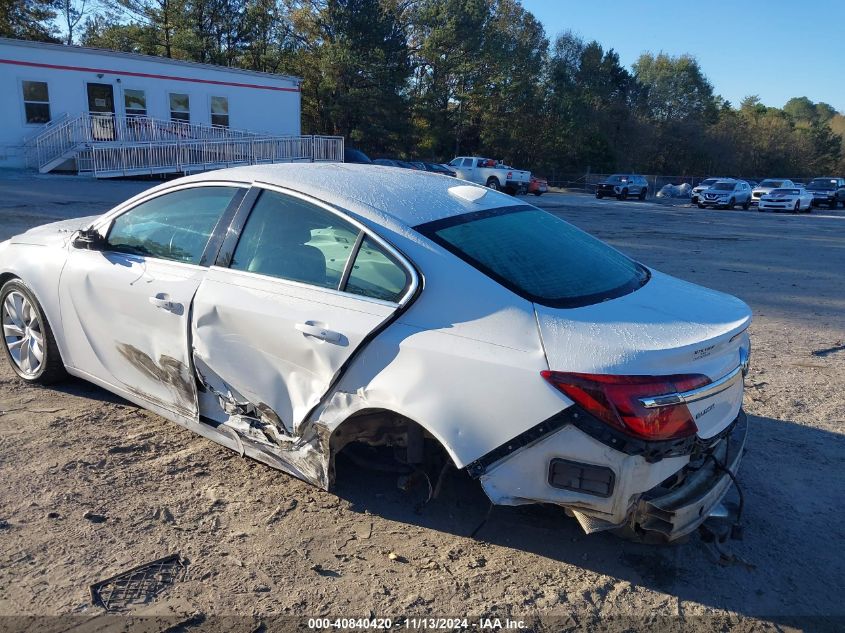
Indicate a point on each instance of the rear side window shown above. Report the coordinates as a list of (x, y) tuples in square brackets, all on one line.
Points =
[(538, 255), (291, 239), (376, 274), (174, 226)]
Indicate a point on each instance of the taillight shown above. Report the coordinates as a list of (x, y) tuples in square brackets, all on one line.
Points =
[(615, 400)]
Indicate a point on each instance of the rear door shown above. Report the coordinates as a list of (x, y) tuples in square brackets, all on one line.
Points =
[(297, 289)]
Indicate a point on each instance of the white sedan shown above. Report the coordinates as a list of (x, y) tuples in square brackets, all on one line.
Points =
[(794, 199), (291, 312)]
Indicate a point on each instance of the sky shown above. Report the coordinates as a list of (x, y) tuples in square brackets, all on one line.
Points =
[(774, 49)]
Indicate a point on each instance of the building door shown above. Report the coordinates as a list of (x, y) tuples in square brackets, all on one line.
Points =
[(101, 109)]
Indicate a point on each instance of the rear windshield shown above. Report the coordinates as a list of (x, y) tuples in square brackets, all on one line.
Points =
[(538, 255)]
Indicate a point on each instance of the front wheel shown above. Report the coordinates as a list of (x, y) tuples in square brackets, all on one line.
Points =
[(623, 195), (731, 204), (643, 194), (493, 183), (746, 205), (28, 340), (599, 195), (538, 193), (797, 207), (700, 206)]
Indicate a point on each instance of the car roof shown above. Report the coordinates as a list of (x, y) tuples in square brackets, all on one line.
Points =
[(374, 193)]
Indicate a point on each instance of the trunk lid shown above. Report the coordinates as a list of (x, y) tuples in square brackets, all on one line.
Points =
[(666, 327)]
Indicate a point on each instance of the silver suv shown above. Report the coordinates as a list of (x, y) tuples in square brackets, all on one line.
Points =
[(705, 184), (726, 194)]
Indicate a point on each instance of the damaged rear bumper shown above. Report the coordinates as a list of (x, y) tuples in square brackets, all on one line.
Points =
[(606, 482), (677, 511)]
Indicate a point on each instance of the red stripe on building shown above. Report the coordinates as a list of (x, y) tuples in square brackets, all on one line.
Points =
[(127, 73)]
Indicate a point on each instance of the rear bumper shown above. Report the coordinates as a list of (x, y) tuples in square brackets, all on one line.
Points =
[(676, 512)]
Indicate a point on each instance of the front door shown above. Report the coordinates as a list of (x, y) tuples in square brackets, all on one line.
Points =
[(101, 108), (126, 308), (303, 290)]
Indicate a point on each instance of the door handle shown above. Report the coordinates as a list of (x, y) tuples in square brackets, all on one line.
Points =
[(163, 302), (324, 334)]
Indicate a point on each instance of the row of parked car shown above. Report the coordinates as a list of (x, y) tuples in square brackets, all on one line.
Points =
[(483, 171), (772, 194)]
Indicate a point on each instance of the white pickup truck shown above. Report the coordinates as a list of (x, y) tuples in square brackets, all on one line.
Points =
[(486, 171)]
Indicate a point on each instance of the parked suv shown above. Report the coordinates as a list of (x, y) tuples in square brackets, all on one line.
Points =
[(829, 191), (769, 185), (726, 194), (704, 184), (621, 186)]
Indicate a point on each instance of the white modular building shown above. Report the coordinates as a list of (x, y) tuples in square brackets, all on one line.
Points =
[(111, 113)]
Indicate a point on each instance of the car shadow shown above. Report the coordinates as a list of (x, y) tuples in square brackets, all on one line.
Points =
[(788, 568)]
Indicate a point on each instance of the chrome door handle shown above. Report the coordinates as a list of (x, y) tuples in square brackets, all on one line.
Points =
[(309, 329), (162, 302)]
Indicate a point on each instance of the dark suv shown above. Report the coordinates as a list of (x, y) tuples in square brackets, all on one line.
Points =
[(620, 186), (829, 191)]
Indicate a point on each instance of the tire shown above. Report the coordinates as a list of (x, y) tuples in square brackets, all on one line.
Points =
[(20, 311), (537, 193), (731, 204), (493, 183), (623, 195), (599, 195), (643, 194), (797, 208), (701, 206), (833, 204), (746, 205)]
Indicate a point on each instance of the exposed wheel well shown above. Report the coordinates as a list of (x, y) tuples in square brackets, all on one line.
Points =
[(412, 445)]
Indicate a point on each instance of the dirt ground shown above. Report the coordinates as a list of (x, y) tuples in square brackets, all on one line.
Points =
[(90, 485)]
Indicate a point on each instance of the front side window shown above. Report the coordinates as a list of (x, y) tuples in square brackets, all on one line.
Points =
[(538, 255), (220, 111), (174, 226), (376, 274), (135, 102), (291, 239), (36, 101), (467, 162), (180, 107)]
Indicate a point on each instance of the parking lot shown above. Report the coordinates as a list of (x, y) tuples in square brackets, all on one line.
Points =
[(260, 544)]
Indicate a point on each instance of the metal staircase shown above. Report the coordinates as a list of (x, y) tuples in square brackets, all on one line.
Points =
[(109, 146)]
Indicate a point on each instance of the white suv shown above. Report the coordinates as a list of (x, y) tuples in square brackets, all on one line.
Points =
[(725, 194)]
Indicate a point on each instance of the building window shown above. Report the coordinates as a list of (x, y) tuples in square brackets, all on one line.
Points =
[(220, 111), (36, 101), (180, 107), (135, 102)]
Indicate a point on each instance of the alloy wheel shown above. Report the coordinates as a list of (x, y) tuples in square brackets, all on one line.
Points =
[(23, 333)]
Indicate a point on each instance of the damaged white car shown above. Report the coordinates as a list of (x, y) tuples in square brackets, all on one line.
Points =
[(291, 311)]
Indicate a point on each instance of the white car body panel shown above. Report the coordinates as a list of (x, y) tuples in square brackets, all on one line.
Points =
[(678, 328), (460, 355)]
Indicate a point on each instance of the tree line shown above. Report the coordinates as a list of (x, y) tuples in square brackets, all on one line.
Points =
[(437, 78)]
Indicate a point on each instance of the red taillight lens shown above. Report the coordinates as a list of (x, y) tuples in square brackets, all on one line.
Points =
[(616, 401)]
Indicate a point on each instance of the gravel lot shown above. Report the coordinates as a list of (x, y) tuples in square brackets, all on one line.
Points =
[(261, 545)]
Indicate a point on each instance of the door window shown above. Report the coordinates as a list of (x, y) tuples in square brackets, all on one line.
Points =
[(36, 101), (180, 107), (291, 239), (376, 274), (174, 226), (467, 162), (100, 98)]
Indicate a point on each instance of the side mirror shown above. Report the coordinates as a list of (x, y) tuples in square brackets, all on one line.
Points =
[(90, 240)]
